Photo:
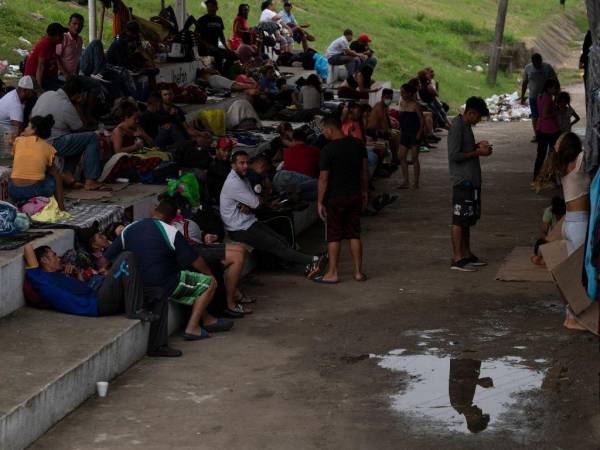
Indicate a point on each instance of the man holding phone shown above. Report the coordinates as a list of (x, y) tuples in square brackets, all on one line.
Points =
[(465, 172)]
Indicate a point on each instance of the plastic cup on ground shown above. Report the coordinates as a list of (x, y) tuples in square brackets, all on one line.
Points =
[(102, 388)]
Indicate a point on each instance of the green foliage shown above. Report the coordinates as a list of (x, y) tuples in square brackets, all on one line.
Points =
[(407, 35)]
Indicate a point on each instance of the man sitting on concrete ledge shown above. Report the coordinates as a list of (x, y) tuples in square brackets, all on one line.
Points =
[(70, 144), (164, 259), (64, 288), (236, 205)]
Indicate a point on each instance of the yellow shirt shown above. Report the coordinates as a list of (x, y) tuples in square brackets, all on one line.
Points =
[(32, 157)]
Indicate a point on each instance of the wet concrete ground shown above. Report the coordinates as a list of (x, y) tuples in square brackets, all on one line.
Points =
[(337, 367)]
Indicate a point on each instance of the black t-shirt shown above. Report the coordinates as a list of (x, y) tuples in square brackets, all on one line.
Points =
[(216, 176), (151, 122), (359, 47), (343, 158), (210, 29)]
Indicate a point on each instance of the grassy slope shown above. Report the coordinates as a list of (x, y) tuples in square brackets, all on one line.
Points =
[(407, 34)]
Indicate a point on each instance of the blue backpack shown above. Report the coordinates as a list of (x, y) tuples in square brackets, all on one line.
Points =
[(63, 293), (8, 215)]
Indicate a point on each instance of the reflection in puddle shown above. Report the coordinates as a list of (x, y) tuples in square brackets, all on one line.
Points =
[(461, 395)]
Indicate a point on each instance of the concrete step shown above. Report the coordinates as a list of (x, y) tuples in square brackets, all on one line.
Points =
[(50, 362), (12, 269)]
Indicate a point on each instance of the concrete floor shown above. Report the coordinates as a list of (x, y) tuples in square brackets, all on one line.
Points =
[(296, 374)]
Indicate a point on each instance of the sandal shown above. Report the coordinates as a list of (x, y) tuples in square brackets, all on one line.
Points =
[(320, 280), (244, 299), (193, 337)]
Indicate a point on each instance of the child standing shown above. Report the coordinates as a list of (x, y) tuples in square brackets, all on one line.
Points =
[(411, 131), (566, 112)]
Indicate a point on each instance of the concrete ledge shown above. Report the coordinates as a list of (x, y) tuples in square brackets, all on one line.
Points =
[(12, 267), (50, 363)]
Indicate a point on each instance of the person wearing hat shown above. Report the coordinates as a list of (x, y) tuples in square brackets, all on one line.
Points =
[(41, 63), (220, 167), (11, 112), (361, 46), (298, 31), (465, 171)]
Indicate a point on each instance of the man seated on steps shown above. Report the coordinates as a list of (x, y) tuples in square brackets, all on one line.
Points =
[(164, 261), (70, 142), (300, 168), (379, 125), (237, 203), (64, 288)]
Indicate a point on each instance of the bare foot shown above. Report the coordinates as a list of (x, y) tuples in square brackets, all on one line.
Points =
[(572, 324), (537, 260), (360, 277), (92, 185)]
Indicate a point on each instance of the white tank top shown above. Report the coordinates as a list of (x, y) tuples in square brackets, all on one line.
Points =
[(576, 184)]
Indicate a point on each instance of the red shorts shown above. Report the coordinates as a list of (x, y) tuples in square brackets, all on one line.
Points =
[(343, 218)]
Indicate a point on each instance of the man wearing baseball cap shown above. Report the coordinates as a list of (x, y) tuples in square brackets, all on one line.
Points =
[(11, 112), (361, 46), (41, 63)]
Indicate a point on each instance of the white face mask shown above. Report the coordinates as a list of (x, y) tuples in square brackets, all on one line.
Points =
[(387, 102)]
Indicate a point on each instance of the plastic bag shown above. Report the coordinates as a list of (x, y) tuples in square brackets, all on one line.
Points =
[(321, 66), (214, 120), (187, 186)]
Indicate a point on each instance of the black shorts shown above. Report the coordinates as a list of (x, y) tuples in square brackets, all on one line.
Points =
[(212, 253), (408, 140), (466, 205), (343, 218)]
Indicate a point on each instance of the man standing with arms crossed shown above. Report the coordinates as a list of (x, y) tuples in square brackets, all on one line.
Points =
[(343, 182), (465, 172)]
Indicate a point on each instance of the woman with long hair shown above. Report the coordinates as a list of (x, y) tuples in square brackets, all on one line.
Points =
[(567, 163), (240, 26)]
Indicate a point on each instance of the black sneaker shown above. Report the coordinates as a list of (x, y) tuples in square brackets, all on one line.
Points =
[(534, 140), (475, 261), (463, 266), (165, 352)]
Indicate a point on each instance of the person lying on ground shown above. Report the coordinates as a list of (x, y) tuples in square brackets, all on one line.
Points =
[(217, 82), (379, 125), (362, 47), (62, 286), (237, 203), (567, 161), (343, 195), (339, 53), (210, 33), (411, 130), (41, 63), (566, 112), (68, 138), (170, 270), (299, 33), (465, 172), (551, 217), (34, 171), (300, 168), (129, 136), (231, 256), (358, 86)]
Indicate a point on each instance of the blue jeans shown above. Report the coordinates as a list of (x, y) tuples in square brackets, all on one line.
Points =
[(44, 188), (373, 162), (306, 186), (70, 147)]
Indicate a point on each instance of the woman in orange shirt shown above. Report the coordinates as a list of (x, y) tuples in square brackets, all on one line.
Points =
[(34, 173)]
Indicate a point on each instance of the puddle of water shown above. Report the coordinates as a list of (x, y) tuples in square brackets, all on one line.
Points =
[(461, 395)]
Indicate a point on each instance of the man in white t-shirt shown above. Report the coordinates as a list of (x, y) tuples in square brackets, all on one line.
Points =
[(11, 112), (237, 203), (339, 53), (12, 104)]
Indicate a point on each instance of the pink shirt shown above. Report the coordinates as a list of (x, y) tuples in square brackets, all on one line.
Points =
[(548, 125), (69, 52)]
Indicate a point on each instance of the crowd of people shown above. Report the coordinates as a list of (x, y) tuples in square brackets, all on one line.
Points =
[(75, 110)]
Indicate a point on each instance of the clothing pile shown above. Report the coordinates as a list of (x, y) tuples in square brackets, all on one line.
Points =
[(507, 107)]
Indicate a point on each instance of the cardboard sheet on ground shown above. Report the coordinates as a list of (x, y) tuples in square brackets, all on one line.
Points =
[(567, 276), (82, 194), (518, 267)]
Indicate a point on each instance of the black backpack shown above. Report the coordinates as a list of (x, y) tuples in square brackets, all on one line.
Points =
[(308, 61)]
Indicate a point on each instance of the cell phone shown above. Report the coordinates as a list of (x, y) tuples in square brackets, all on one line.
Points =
[(285, 200)]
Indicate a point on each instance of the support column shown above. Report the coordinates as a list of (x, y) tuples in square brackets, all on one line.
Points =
[(92, 20), (180, 13), (592, 146)]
